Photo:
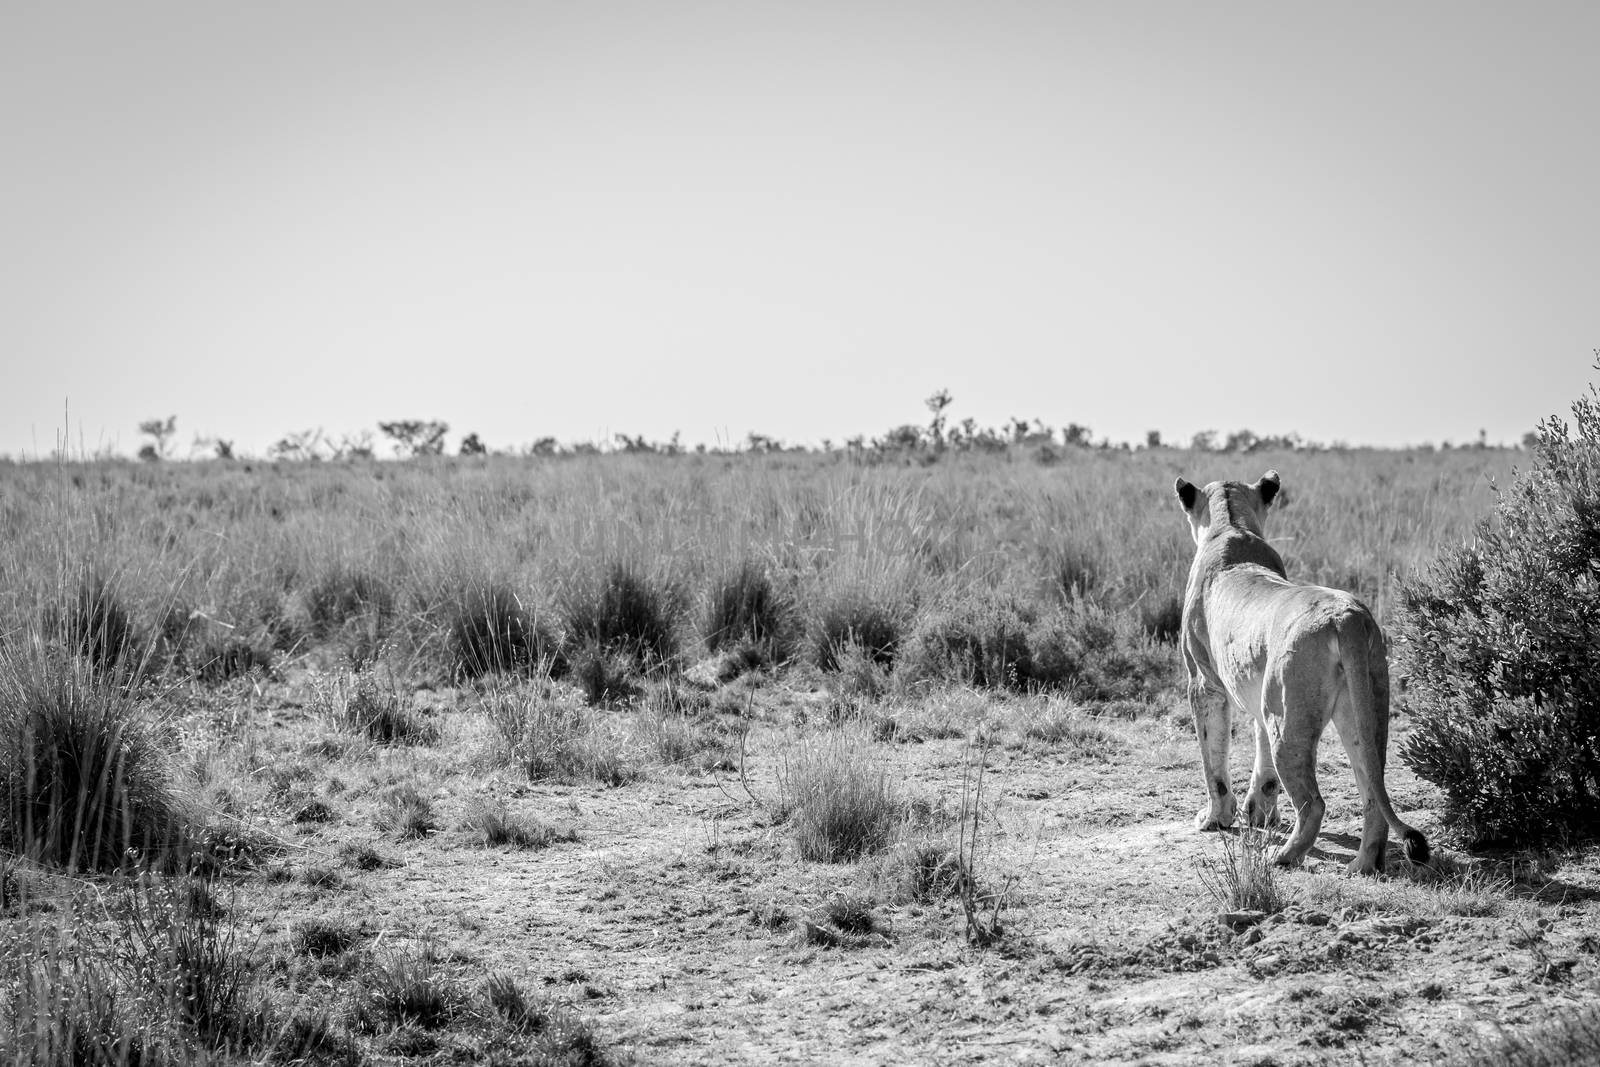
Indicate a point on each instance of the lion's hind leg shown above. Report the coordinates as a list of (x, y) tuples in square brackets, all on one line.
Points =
[(1296, 759), (1261, 802)]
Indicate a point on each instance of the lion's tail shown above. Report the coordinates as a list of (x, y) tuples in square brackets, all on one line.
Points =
[(1366, 671)]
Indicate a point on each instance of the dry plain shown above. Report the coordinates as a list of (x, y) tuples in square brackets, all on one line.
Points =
[(1039, 894)]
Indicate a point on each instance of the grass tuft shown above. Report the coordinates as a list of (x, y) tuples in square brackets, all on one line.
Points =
[(409, 988), (495, 826), (552, 740), (622, 609), (490, 630), (406, 812), (840, 804), (359, 703), (745, 613), (84, 781), (1243, 877)]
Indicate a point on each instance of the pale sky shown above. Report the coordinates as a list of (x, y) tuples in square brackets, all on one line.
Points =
[(1369, 222)]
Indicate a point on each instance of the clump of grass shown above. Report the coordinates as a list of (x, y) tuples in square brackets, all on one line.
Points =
[(860, 615), (840, 804), (313, 810), (1571, 1038), (314, 1038), (859, 677), (409, 988), (323, 937), (221, 658), (495, 826), (360, 703), (406, 812), (1063, 727), (489, 629), (84, 781), (745, 612), (622, 609), (603, 675), (923, 871), (1161, 616), (167, 983), (343, 591), (1243, 877), (558, 1035), (552, 740), (364, 857), (95, 624)]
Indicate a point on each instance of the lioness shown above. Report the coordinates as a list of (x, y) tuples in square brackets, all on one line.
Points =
[(1295, 656)]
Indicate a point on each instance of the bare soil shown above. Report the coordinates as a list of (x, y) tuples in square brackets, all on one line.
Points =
[(682, 925)]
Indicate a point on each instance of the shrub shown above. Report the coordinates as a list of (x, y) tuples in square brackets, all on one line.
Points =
[(83, 779), (605, 677), (980, 641), (1500, 641), (1096, 655), (621, 609), (489, 629), (839, 803), (745, 611)]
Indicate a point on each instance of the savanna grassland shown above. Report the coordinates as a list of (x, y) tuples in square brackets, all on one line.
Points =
[(706, 758)]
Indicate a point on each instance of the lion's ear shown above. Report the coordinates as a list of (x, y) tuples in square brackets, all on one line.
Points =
[(1186, 494), (1268, 486)]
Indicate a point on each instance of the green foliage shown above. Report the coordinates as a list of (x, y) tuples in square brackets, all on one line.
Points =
[(1500, 641)]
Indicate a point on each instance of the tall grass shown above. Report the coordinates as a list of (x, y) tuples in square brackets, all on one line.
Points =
[(84, 780)]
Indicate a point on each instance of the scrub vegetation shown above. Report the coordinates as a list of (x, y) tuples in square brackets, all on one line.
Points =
[(655, 756)]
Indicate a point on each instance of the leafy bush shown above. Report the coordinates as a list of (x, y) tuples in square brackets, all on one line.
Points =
[(489, 629), (1500, 641), (981, 641), (622, 609), (83, 779), (1097, 655)]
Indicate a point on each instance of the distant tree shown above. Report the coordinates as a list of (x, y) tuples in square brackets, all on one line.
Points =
[(1242, 441), (936, 404), (471, 446), (160, 431), (1152, 439), (544, 446), (1530, 440), (416, 437), (1075, 435), (1204, 441), (303, 446), (760, 442), (354, 446)]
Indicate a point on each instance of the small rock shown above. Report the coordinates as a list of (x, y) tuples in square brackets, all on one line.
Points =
[(1239, 920)]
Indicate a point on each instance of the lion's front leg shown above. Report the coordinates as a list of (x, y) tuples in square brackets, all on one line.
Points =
[(1212, 726)]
